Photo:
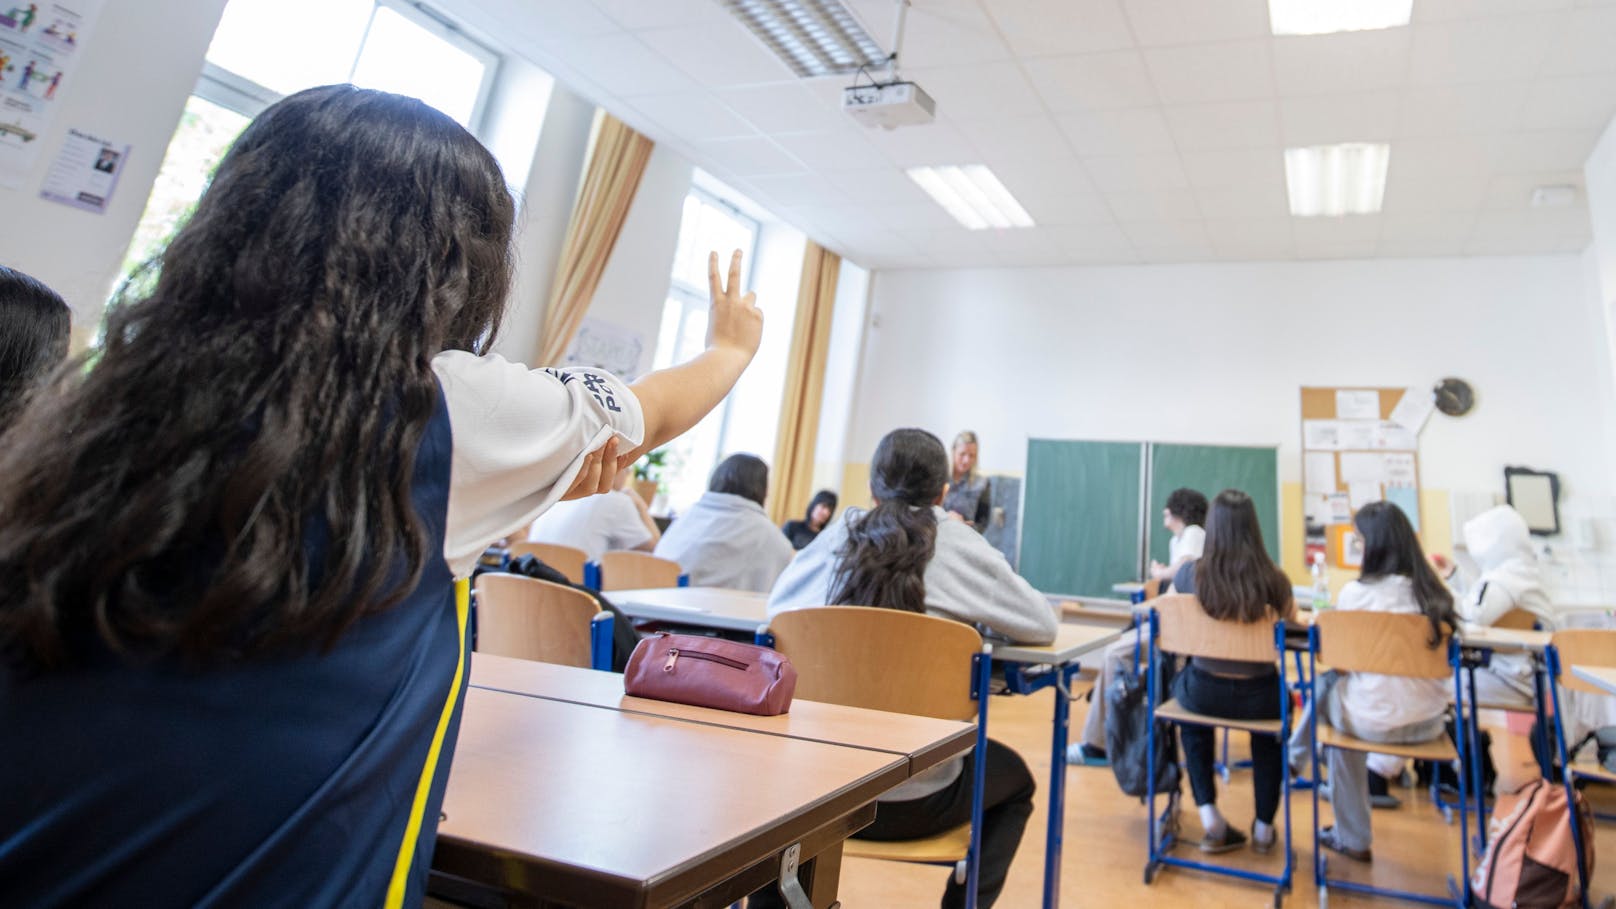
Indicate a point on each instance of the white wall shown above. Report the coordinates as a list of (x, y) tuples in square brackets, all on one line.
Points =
[(1216, 353), (1600, 178), (137, 69)]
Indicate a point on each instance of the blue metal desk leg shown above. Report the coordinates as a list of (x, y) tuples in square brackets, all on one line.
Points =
[(1057, 785)]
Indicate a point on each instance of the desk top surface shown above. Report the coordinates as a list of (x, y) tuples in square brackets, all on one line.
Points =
[(1603, 676), (711, 607), (640, 809), (925, 741), (1071, 642)]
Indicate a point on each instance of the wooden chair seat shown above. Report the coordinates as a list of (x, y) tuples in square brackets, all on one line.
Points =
[(1174, 711), (1590, 769), (947, 847), (565, 559), (1438, 749)]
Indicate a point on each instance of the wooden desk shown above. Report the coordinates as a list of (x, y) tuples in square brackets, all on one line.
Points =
[(924, 742), (1603, 676), (706, 607), (565, 803), (1491, 637), (1071, 643)]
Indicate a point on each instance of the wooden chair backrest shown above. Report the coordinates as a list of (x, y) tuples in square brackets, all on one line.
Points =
[(1584, 647), (882, 659), (1382, 642), (626, 569), (531, 619), (1518, 619), (565, 559), (1187, 630), (1155, 587)]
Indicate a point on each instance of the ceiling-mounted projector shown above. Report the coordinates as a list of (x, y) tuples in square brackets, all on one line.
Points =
[(889, 106)]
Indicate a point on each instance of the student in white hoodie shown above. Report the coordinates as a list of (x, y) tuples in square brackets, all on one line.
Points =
[(726, 539), (1397, 579), (906, 553)]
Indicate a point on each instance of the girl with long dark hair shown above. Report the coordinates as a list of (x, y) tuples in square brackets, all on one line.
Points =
[(906, 553), (34, 325), (1235, 581), (1396, 578), (232, 656)]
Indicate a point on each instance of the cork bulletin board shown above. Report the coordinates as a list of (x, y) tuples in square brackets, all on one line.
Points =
[(1359, 445)]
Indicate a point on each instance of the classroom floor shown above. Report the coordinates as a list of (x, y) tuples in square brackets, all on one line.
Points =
[(1105, 838)]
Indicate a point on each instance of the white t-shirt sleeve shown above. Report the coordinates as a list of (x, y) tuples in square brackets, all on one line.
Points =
[(1191, 543), (520, 437)]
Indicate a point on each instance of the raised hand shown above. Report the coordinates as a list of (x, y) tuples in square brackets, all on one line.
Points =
[(735, 323)]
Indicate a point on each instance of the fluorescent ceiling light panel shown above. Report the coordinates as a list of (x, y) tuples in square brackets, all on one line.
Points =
[(1321, 17), (813, 37), (972, 194), (1333, 180)]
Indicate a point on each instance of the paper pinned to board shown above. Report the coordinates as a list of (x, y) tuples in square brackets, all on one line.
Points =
[(1399, 469), (1318, 471), (1321, 435), (1340, 509), (1414, 408), (1316, 509), (1363, 467), (1407, 499), (1390, 436), (1361, 494), (1358, 435), (1357, 404)]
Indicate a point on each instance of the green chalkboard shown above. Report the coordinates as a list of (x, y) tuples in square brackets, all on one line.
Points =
[(1212, 469), (1080, 516)]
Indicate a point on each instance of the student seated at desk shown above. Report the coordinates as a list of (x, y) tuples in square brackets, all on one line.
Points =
[(1234, 582), (620, 519), (231, 655), (1396, 578), (820, 510), (726, 539), (1183, 517), (906, 553)]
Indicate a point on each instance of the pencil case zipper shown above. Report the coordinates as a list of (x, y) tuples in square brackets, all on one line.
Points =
[(673, 657)]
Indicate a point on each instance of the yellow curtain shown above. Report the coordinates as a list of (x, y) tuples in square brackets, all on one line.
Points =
[(615, 166), (805, 380)]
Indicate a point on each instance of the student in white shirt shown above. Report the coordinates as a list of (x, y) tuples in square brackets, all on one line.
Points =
[(1183, 517), (726, 539), (906, 553), (1396, 578), (599, 524)]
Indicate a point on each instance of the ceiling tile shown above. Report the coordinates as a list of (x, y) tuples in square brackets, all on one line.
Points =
[(910, 216), (931, 143), (1480, 50), (1421, 158), (752, 157), (1166, 22), (1330, 119), (1036, 28), (1154, 205), (633, 14), (1348, 237), (623, 65), (935, 32), (1018, 139), (1134, 172), (886, 184), (785, 107), (1256, 200), (1584, 43), (548, 21), (839, 149), (1072, 208), (1057, 177), (1171, 241), (1234, 71), (1442, 10), (1544, 149), (978, 90), (1514, 191), (791, 190), (1543, 231), (1090, 242), (1239, 167), (1093, 81), (1248, 239), (693, 114), (721, 53), (1438, 192), (1117, 132), (1424, 233), (1341, 62), (1570, 102), (1448, 110), (1229, 124)]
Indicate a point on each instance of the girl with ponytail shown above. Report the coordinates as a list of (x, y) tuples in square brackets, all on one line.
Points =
[(907, 553)]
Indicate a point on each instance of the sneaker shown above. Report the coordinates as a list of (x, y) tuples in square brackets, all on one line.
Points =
[(1231, 840), (1327, 840), (1380, 795), (1087, 756), (1262, 846)]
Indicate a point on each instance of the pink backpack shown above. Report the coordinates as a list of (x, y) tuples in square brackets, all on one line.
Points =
[(1531, 862)]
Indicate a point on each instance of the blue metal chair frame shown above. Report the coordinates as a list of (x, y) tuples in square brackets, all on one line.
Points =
[(1159, 845), (1551, 657), (1458, 894), (981, 682), (1020, 678), (592, 576), (600, 641)]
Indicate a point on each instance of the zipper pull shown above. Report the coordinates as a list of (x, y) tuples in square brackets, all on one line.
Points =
[(673, 657)]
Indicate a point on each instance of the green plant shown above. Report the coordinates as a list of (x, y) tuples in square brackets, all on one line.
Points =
[(650, 466)]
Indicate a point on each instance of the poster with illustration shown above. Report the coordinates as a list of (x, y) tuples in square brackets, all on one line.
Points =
[(40, 44), (85, 172)]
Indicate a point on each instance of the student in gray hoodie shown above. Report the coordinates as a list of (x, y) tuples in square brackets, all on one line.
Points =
[(726, 539), (906, 553)]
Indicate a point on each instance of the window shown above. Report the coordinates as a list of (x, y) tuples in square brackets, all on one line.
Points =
[(264, 50), (707, 223)]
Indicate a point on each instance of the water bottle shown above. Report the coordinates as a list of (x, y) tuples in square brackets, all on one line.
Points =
[(1321, 586)]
